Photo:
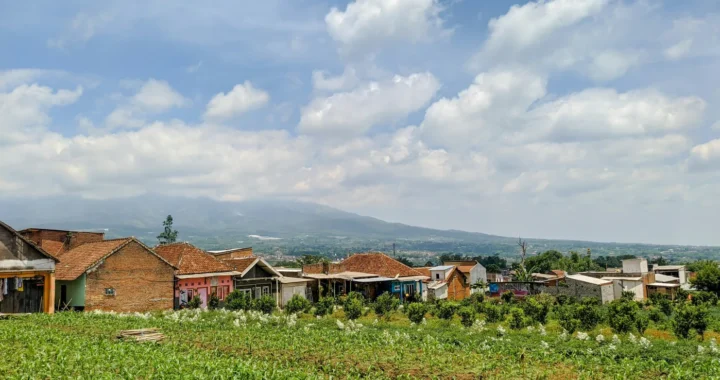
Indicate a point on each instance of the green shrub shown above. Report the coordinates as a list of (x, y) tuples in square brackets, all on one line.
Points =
[(508, 296), (238, 300), (467, 315), (641, 322), (655, 315), (689, 317), (517, 318), (566, 317), (681, 295), (353, 308), (355, 295), (297, 304), (446, 310), (386, 304), (563, 299), (416, 312), (194, 303), (588, 312), (494, 312), (622, 315), (627, 295), (265, 304), (214, 302), (704, 297), (324, 306), (536, 309)]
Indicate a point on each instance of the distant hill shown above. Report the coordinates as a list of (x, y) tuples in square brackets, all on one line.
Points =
[(282, 227)]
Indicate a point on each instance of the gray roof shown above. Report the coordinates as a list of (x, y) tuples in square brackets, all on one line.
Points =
[(442, 267)]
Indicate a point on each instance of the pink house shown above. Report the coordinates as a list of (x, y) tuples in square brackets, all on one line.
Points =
[(199, 273)]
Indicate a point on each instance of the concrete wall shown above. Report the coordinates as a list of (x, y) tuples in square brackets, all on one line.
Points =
[(16, 254), (608, 293), (635, 266), (437, 275), (636, 287), (142, 282), (75, 290), (580, 289)]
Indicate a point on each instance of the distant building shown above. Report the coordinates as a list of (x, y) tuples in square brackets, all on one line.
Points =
[(448, 282), (676, 271), (474, 271)]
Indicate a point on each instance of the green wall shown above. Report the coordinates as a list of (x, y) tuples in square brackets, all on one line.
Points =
[(75, 291)]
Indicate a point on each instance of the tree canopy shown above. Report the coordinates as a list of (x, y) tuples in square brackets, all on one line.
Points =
[(707, 277), (168, 235)]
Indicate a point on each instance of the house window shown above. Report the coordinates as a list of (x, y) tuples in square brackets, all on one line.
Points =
[(396, 288), (246, 291), (266, 290), (437, 276), (258, 292), (109, 291), (190, 294)]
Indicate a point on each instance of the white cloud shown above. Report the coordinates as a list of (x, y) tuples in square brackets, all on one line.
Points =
[(679, 50), (705, 156), (608, 65), (12, 78), (81, 29), (484, 110), (242, 98), (24, 111), (153, 97), (523, 26), (194, 68), (365, 25), (375, 103)]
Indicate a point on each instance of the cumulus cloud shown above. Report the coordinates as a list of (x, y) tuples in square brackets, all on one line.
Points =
[(322, 81), (372, 104), (153, 97), (365, 25), (242, 98), (81, 29)]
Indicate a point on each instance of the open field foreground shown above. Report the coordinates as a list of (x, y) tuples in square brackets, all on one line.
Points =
[(250, 345)]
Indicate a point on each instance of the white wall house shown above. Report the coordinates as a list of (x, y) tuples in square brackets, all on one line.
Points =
[(472, 270)]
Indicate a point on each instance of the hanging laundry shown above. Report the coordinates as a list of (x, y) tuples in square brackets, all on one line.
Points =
[(19, 284)]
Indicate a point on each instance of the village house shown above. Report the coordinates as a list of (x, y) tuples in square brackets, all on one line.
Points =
[(580, 286), (96, 274), (255, 277), (27, 274), (370, 273), (233, 253), (448, 282), (475, 273), (676, 271), (198, 273)]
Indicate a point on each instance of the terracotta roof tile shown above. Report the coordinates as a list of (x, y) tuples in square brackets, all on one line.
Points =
[(379, 264), (241, 263), (190, 259), (52, 247), (75, 262), (425, 271), (466, 268)]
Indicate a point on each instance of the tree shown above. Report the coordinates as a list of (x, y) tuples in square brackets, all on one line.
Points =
[(708, 277), (168, 235), (659, 261)]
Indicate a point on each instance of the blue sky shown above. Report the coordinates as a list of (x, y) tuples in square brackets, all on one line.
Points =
[(585, 119)]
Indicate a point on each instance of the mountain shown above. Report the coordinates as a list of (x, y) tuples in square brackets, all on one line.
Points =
[(279, 226)]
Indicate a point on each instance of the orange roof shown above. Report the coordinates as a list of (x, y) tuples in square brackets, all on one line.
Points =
[(52, 247), (379, 264), (240, 264), (425, 271), (190, 259), (79, 259), (466, 268), (559, 273)]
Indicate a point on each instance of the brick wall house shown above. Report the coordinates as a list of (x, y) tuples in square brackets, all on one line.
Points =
[(121, 275)]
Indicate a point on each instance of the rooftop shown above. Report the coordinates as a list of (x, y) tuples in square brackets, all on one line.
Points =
[(190, 259), (78, 260), (668, 267), (378, 264), (442, 267), (588, 279)]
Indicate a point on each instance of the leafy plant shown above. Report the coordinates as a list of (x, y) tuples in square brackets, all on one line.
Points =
[(297, 304), (566, 316), (494, 312), (467, 315), (446, 310), (324, 306), (507, 296), (517, 318), (194, 303), (238, 300), (416, 312), (214, 302), (622, 315), (265, 304), (353, 308), (386, 304)]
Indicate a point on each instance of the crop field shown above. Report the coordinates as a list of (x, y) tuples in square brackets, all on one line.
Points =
[(250, 345)]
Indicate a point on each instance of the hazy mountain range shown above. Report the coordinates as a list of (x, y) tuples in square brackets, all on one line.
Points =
[(279, 225)]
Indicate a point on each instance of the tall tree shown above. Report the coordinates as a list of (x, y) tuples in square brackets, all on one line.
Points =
[(708, 277), (168, 235)]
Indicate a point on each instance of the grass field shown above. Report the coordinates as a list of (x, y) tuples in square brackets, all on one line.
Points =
[(249, 345)]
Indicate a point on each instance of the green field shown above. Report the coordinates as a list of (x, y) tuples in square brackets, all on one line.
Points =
[(237, 344)]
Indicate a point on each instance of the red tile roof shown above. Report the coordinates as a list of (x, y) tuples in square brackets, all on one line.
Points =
[(379, 264), (466, 268), (52, 247), (78, 260), (240, 264), (190, 259), (425, 271)]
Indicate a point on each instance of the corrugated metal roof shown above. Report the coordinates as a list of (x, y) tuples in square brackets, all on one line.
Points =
[(622, 278), (442, 267), (669, 267), (588, 279), (659, 277), (374, 279), (664, 285)]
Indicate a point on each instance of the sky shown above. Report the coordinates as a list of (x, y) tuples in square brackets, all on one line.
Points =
[(574, 119)]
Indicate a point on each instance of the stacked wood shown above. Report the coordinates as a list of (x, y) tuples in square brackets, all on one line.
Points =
[(142, 335)]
